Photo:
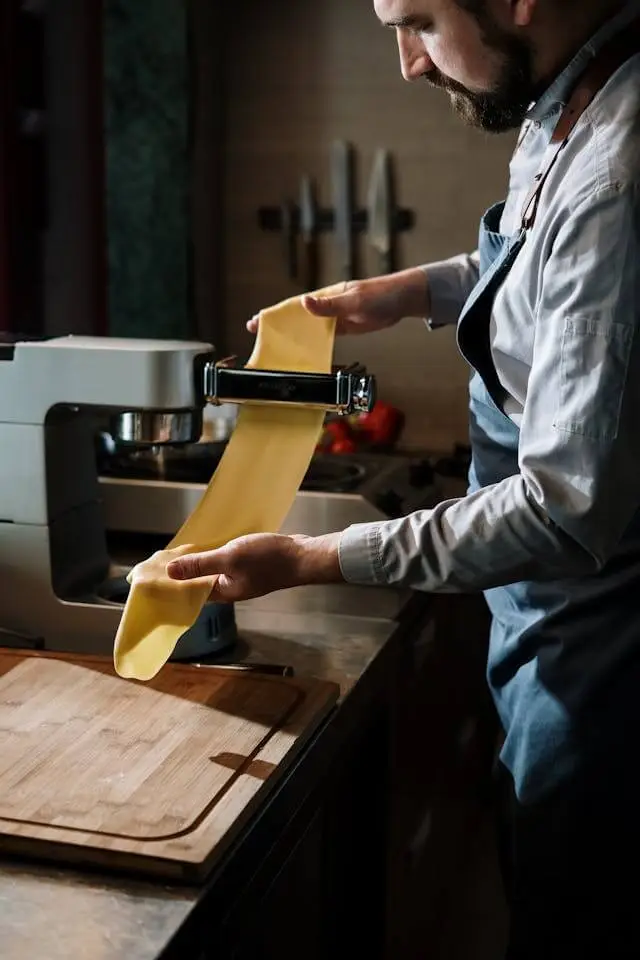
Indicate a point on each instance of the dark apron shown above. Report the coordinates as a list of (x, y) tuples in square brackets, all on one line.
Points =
[(562, 653), (527, 707), (564, 671)]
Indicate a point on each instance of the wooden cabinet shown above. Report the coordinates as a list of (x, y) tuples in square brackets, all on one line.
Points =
[(366, 861), (289, 922), (319, 893), (444, 735)]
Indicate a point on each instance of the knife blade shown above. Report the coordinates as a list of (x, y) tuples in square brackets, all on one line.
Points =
[(381, 210), (309, 233), (342, 195)]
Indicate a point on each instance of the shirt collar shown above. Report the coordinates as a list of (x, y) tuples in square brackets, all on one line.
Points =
[(557, 94)]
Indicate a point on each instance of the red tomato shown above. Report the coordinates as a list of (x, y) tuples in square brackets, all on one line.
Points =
[(346, 445), (382, 424)]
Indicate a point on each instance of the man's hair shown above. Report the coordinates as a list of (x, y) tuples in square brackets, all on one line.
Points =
[(477, 9)]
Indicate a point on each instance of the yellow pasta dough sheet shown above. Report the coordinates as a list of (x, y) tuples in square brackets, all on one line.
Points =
[(251, 491)]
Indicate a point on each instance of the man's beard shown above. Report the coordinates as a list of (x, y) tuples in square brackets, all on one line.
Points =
[(505, 106)]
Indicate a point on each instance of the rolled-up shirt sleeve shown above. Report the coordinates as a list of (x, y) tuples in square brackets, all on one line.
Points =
[(578, 484), (450, 283)]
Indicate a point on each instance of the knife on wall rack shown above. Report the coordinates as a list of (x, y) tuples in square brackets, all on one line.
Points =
[(381, 208), (342, 176), (289, 228), (275, 218), (309, 233)]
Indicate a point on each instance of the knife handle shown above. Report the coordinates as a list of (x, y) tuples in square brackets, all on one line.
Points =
[(387, 262), (310, 278), (348, 271), (342, 176), (289, 236), (309, 232)]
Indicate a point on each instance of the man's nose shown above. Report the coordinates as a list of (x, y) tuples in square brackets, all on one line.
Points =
[(414, 59)]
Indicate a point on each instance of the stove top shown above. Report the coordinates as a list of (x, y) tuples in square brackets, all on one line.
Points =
[(326, 473), (154, 491)]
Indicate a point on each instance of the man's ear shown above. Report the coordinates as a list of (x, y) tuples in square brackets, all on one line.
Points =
[(522, 12)]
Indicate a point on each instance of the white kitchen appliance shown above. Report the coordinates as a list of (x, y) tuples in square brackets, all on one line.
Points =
[(56, 573)]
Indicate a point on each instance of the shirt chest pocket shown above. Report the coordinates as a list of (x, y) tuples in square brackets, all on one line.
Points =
[(594, 358)]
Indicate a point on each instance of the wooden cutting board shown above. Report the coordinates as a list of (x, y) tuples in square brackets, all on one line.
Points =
[(157, 777)]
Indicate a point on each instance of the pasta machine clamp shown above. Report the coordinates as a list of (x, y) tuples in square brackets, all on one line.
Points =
[(346, 390)]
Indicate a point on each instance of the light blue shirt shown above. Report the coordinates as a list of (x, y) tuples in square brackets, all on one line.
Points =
[(564, 338)]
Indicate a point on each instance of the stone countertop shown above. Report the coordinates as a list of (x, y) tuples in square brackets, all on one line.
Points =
[(48, 913), (52, 914), (315, 642)]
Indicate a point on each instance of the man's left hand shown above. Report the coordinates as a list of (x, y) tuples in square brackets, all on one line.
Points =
[(261, 563)]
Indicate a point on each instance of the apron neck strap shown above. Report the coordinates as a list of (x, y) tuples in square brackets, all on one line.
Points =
[(601, 68)]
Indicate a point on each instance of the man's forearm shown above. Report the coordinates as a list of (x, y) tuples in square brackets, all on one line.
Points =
[(487, 539), (414, 300), (318, 559)]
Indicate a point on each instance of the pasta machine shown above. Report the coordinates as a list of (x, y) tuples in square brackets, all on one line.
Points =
[(57, 583)]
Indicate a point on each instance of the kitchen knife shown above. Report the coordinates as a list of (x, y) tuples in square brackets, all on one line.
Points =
[(266, 669), (289, 235), (309, 233), (381, 210), (342, 195)]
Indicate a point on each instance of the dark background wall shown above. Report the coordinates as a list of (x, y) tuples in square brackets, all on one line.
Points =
[(170, 123), (147, 114), (299, 75)]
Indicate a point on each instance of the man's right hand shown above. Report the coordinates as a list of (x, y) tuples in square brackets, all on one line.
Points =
[(365, 306)]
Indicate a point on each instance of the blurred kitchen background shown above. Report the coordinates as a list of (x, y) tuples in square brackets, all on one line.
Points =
[(152, 138)]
